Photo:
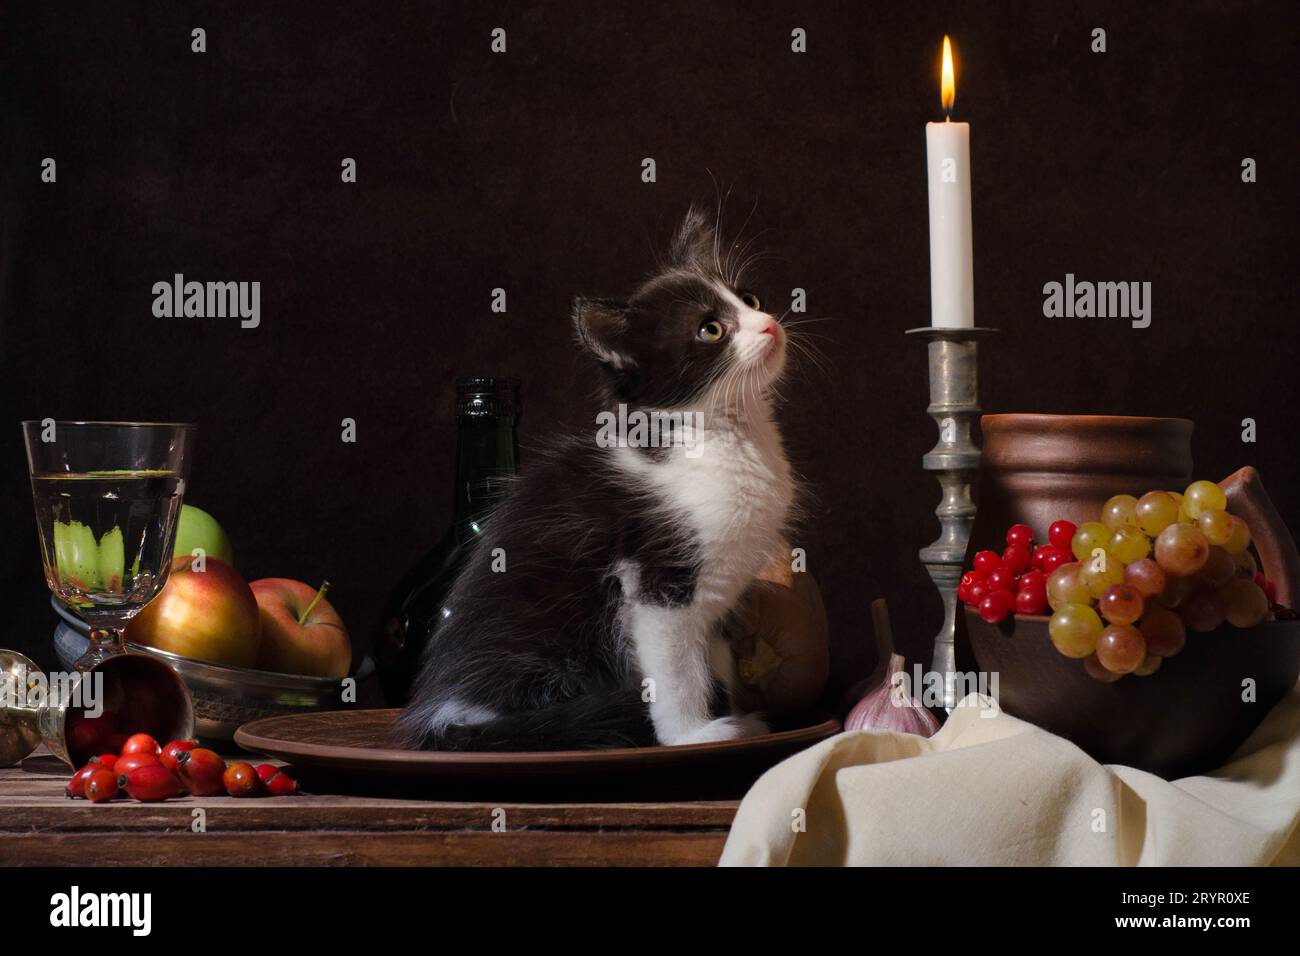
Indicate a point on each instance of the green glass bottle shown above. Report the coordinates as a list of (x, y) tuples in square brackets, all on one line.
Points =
[(487, 452)]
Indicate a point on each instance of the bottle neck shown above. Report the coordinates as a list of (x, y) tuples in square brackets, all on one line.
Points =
[(487, 453)]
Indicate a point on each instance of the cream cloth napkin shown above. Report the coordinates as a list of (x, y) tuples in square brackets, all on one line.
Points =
[(989, 789)]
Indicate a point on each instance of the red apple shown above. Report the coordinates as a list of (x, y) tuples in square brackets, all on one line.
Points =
[(210, 615), (301, 631)]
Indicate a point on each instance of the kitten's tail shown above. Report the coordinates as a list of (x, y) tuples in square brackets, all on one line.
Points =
[(600, 718)]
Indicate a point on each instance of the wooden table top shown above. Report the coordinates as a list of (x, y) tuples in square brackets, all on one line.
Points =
[(40, 826)]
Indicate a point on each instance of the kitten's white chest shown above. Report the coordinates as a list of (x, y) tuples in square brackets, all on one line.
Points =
[(734, 491)]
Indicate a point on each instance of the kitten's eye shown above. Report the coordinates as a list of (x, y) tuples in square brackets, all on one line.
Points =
[(711, 331), (751, 300)]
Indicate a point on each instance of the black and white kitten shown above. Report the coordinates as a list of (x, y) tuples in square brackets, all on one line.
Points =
[(621, 562)]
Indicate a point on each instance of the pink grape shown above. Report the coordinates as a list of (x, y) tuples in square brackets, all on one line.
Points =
[(1181, 549), (1220, 568), (1177, 590), (1203, 611), (1163, 631), (1121, 604), (1097, 672), (1121, 648), (1147, 576), (1065, 586)]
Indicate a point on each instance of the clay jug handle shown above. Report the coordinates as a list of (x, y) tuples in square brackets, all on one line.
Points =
[(1273, 542)]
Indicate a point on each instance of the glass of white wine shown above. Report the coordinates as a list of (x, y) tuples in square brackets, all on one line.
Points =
[(108, 497)]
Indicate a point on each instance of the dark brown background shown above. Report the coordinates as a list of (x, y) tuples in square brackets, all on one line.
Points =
[(522, 171)]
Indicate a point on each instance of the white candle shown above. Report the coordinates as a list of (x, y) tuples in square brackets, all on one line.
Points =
[(947, 148)]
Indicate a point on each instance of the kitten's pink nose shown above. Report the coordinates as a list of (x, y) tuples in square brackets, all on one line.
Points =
[(769, 329)]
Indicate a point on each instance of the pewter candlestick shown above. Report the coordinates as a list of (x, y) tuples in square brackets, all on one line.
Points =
[(955, 460)]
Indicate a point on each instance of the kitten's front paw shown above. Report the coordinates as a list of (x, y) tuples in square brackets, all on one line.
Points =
[(734, 727)]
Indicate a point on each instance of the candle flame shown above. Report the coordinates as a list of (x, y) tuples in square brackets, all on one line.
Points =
[(948, 86)]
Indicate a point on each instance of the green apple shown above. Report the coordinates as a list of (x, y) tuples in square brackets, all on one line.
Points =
[(198, 529), (76, 554)]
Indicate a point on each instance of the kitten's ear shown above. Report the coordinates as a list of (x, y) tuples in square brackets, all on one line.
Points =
[(695, 244), (600, 324)]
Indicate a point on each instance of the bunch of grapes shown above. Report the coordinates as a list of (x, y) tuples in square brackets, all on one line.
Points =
[(1134, 583), (1016, 579)]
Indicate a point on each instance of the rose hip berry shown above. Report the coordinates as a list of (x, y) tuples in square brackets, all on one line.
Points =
[(101, 785), (278, 782), (241, 780), (150, 783), (141, 744), (173, 750), (125, 764), (201, 771), (76, 788)]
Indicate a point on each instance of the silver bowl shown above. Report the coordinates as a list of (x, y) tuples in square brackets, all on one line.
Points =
[(224, 697)]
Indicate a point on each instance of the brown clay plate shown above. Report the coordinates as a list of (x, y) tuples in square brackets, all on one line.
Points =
[(354, 744)]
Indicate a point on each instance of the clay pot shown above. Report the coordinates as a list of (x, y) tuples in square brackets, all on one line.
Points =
[(1035, 469), (1189, 716)]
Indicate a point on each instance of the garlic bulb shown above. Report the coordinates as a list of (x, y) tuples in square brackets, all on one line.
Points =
[(888, 707)]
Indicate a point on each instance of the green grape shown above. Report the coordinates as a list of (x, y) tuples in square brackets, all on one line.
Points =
[(1155, 511), (1091, 534), (1182, 506), (1216, 526), (1102, 574), (1246, 563), (76, 555), (1128, 544), (1244, 604), (1119, 512), (1149, 666), (1065, 586), (1240, 539), (1203, 496), (1121, 648), (1074, 629), (1181, 549)]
